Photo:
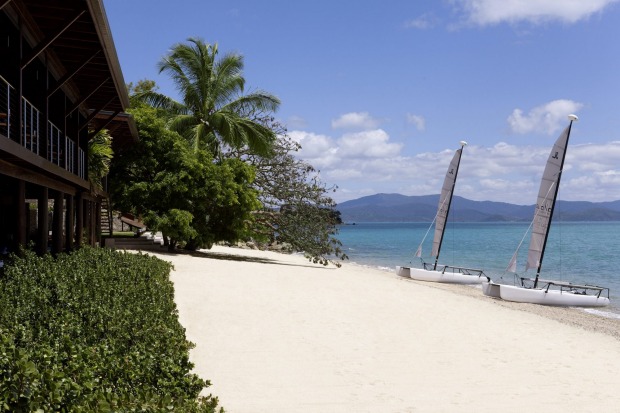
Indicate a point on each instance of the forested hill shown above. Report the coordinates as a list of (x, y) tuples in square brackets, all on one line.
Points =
[(401, 208)]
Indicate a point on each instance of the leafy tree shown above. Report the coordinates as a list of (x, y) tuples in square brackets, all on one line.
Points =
[(297, 209), (100, 156), (211, 89), (179, 191)]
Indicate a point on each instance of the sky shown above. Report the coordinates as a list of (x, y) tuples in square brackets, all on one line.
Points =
[(379, 93)]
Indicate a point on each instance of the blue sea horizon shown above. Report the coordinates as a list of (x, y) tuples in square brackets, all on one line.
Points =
[(578, 252)]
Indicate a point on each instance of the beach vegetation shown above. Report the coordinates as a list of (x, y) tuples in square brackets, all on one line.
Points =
[(100, 156), (94, 330), (292, 205), (192, 199), (210, 112), (297, 208)]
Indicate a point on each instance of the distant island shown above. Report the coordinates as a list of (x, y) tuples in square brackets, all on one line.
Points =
[(402, 208)]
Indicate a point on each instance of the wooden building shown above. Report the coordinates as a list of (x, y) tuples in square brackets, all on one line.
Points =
[(60, 83)]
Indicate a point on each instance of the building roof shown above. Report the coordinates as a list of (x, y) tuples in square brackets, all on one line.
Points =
[(74, 37)]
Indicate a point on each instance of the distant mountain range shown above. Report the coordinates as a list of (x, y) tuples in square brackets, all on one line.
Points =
[(401, 208)]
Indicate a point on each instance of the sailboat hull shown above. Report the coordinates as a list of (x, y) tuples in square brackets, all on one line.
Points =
[(490, 289), (403, 271), (550, 297), (444, 277)]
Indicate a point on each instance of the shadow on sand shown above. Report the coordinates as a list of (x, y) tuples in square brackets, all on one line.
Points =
[(234, 257)]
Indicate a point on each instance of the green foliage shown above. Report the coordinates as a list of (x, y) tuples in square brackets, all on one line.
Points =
[(297, 208), (211, 114), (100, 156), (95, 330), (175, 223), (182, 192)]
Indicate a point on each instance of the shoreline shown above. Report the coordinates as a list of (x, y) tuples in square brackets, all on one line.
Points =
[(276, 333), (573, 316)]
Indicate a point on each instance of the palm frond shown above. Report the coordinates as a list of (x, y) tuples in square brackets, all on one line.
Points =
[(182, 123), (228, 80), (259, 100), (212, 91), (160, 101), (237, 132)]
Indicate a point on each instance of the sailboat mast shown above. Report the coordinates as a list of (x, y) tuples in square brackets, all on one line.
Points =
[(555, 195), (443, 229)]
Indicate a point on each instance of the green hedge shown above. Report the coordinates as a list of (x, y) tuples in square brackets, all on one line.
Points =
[(94, 330)]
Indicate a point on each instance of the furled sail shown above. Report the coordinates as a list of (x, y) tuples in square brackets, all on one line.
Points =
[(546, 200), (444, 202)]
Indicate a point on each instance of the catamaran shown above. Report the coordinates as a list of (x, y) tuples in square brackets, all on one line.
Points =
[(434, 271), (537, 290)]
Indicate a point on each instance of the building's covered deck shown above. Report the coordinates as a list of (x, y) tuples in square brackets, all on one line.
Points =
[(60, 83)]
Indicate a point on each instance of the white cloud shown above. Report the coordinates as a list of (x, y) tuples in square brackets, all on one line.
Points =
[(548, 118), (319, 150), (418, 121), (423, 22), (343, 174), (489, 12), (594, 158), (365, 163), (368, 144), (356, 120)]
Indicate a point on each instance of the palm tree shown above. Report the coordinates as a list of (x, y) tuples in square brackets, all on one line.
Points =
[(100, 156), (213, 112)]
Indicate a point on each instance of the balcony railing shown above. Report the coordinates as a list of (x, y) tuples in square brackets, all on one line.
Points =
[(70, 158), (7, 109), (81, 163), (30, 126), (54, 138), (61, 150)]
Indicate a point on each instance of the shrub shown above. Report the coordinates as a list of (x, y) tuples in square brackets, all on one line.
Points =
[(94, 330)]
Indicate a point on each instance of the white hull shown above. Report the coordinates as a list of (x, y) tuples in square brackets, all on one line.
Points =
[(440, 277), (402, 271), (490, 289), (550, 297)]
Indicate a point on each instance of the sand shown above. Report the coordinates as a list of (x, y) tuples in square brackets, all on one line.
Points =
[(275, 333)]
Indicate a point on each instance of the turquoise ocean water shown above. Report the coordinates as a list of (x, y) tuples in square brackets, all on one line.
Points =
[(579, 252)]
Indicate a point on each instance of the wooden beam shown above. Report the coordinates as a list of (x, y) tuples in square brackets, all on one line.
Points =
[(102, 126), (28, 175), (4, 3), (69, 75), (94, 113), (45, 43), (83, 99), (13, 150)]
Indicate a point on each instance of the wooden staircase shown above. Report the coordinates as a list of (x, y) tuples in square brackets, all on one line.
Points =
[(106, 218)]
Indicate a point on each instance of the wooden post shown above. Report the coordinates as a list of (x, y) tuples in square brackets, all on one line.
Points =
[(90, 222), (79, 225), (57, 222), (22, 224), (43, 229), (69, 223), (94, 216), (98, 223)]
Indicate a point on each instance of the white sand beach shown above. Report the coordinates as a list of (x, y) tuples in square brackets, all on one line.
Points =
[(275, 333)]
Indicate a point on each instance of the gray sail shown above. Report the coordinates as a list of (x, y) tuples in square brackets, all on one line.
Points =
[(546, 200), (444, 202)]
